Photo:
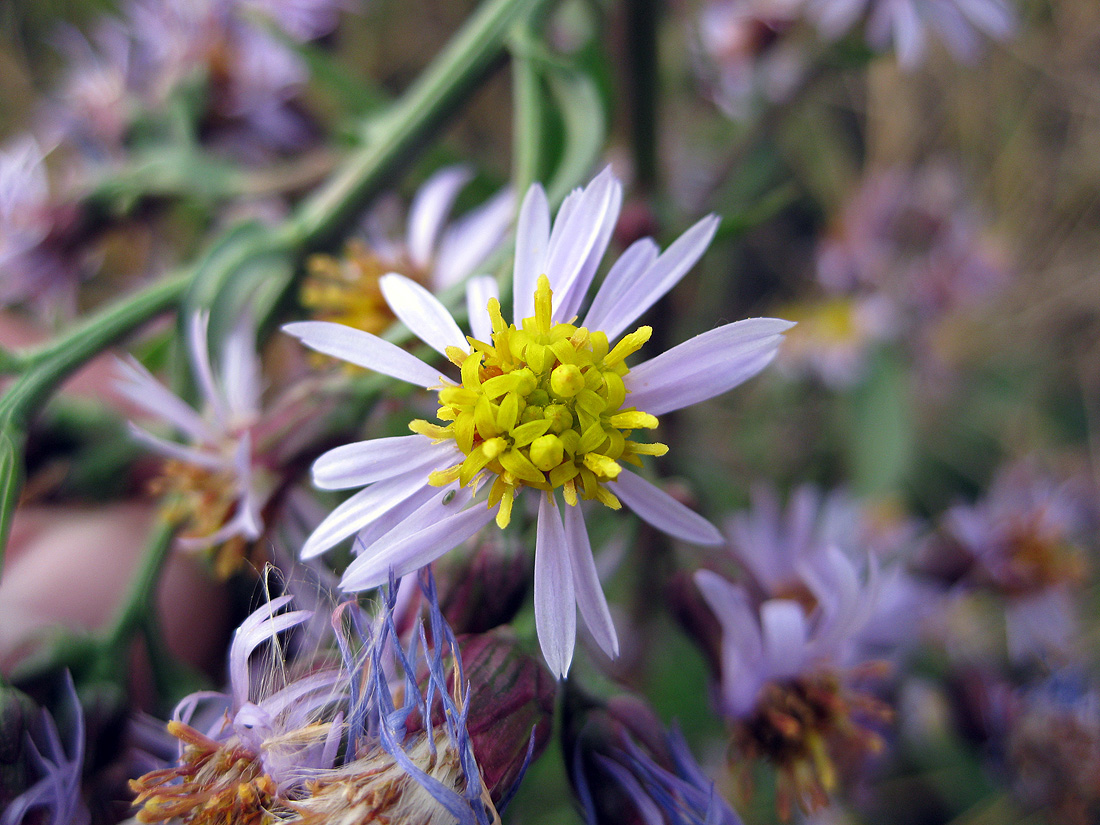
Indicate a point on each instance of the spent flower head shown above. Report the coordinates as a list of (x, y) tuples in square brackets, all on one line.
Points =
[(544, 403)]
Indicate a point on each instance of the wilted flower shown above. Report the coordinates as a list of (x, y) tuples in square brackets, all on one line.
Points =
[(542, 404), (58, 768), (380, 736), (436, 255), (1023, 539), (222, 479), (270, 736), (626, 769), (790, 678), (906, 24)]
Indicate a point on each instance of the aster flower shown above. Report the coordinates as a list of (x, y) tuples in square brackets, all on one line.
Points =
[(914, 237), (792, 553), (906, 24), (222, 479), (433, 253), (97, 97), (1024, 541), (790, 678), (60, 767), (542, 404)]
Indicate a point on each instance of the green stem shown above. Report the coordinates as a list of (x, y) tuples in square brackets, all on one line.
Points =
[(138, 604), (641, 55), (49, 365), (440, 88), (395, 136)]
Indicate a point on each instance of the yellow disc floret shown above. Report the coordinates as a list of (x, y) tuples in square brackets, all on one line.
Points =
[(542, 406)]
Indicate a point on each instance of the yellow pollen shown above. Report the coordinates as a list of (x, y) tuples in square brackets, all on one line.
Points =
[(541, 405)]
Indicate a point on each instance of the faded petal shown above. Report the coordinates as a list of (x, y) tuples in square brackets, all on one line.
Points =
[(429, 210)]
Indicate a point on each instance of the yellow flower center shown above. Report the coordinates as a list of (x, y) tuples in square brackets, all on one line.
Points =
[(541, 405), (346, 291)]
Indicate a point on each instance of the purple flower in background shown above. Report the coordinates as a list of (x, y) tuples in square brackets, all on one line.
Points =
[(914, 237), (791, 678), (744, 58), (221, 480), (434, 253), (55, 793), (252, 76), (907, 24), (97, 98), (40, 258), (541, 404), (1023, 539), (794, 554)]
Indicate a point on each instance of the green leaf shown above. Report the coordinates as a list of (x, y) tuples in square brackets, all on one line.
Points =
[(881, 436), (247, 270)]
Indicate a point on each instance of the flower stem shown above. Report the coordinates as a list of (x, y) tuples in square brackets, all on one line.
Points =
[(389, 141)]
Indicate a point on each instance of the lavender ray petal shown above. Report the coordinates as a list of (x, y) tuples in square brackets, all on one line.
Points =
[(705, 366), (365, 350), (658, 508)]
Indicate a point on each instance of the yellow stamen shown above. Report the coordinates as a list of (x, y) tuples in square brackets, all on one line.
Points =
[(541, 405)]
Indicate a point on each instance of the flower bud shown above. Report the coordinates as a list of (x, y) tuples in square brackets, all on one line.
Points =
[(511, 697), (485, 589)]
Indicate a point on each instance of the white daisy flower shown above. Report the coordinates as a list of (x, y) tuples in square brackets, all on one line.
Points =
[(544, 403)]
